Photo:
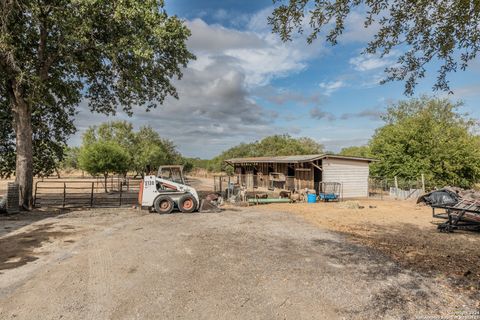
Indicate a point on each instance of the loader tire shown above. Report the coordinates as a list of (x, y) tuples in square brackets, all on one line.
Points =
[(163, 204), (187, 204)]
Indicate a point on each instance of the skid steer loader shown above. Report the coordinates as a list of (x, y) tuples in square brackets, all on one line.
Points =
[(168, 191)]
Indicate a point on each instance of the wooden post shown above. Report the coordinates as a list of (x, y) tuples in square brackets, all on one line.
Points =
[(423, 183), (396, 187), (121, 187), (228, 188), (221, 190), (64, 193), (91, 195), (383, 186)]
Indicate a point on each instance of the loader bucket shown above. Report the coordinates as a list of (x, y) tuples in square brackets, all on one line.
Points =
[(208, 206)]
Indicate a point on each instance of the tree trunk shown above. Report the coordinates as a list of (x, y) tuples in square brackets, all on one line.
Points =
[(24, 148), (106, 181)]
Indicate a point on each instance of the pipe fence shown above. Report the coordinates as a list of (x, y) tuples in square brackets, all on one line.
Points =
[(86, 193)]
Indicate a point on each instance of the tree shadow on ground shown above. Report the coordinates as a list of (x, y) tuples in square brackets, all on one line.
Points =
[(12, 222), (452, 256), (18, 249)]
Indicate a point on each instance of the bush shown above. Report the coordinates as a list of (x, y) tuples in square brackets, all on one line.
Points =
[(102, 158)]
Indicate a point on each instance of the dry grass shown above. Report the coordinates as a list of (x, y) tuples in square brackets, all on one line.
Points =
[(403, 230)]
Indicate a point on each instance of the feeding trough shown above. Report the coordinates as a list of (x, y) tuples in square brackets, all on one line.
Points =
[(330, 191)]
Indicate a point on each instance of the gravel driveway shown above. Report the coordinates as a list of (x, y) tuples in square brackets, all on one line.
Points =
[(242, 264)]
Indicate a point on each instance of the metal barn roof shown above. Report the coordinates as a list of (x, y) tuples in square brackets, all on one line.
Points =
[(294, 159)]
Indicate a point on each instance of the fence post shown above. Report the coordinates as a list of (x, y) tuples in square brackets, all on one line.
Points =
[(228, 187), (221, 189), (91, 195), (423, 183), (383, 186), (64, 193), (121, 187), (396, 187)]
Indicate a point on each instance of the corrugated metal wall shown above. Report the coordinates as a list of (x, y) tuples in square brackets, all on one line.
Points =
[(352, 174)]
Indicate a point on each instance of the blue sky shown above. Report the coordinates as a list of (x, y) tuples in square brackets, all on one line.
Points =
[(246, 84)]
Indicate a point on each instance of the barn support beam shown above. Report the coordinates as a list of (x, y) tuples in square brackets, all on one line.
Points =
[(316, 166)]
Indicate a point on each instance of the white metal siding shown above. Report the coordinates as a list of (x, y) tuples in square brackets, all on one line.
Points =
[(352, 174)]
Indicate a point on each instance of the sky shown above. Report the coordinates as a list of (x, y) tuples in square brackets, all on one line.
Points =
[(246, 84)]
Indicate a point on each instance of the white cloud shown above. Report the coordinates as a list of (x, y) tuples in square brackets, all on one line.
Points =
[(214, 39), (355, 30), (332, 86), (371, 67), (259, 22), (368, 62), (262, 65), (368, 80), (214, 112), (280, 96), (216, 109), (259, 54)]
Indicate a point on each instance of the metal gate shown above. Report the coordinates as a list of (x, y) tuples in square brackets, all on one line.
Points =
[(86, 193)]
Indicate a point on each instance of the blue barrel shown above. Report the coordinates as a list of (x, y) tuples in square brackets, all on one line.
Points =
[(312, 198)]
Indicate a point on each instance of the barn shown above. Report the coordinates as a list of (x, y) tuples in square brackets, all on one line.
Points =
[(304, 171)]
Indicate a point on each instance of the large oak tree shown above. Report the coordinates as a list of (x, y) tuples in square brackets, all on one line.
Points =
[(54, 53)]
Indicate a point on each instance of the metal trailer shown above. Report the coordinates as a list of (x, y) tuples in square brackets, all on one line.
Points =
[(464, 215)]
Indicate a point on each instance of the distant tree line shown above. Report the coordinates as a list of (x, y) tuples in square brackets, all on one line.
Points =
[(276, 145)]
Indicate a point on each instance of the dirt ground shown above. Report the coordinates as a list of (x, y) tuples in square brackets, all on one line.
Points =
[(403, 230), (244, 263), (288, 261)]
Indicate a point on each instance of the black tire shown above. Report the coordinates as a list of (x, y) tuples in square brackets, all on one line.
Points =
[(187, 204), (163, 204)]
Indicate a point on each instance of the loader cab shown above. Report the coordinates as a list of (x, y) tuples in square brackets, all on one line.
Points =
[(172, 173)]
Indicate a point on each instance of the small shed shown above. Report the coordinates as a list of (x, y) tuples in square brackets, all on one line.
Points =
[(304, 171)]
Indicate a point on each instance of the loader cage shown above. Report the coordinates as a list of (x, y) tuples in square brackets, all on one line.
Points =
[(172, 173)]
